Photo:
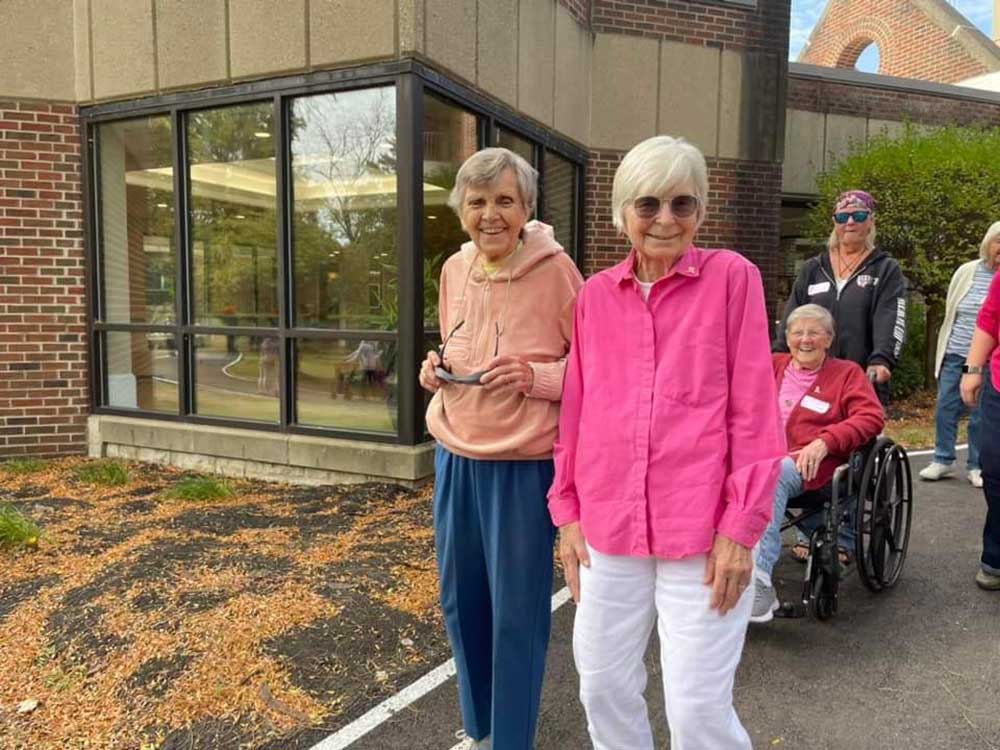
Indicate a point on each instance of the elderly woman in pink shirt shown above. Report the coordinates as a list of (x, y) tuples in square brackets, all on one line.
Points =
[(666, 463)]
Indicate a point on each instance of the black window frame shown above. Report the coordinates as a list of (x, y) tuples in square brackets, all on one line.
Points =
[(411, 79)]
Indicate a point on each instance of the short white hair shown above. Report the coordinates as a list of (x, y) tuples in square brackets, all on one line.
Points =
[(657, 166), (991, 234), (485, 167), (811, 312)]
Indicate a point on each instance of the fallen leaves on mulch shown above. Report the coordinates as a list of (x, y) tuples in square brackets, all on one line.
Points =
[(143, 622)]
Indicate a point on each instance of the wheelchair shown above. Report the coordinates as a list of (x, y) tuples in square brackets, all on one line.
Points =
[(874, 492)]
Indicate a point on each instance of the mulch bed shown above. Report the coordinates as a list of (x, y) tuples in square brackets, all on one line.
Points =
[(266, 620)]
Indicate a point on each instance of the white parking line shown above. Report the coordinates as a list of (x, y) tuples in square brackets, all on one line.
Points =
[(928, 452), (390, 706)]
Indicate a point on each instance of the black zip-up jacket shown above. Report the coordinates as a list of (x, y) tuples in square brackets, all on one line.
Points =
[(870, 311)]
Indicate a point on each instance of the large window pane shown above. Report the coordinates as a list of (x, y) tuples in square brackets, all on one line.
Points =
[(560, 199), (451, 135), (349, 384), (237, 376), (142, 370), (517, 144), (344, 189), (233, 230), (138, 257)]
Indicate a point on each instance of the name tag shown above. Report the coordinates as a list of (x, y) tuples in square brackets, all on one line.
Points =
[(823, 286), (814, 404)]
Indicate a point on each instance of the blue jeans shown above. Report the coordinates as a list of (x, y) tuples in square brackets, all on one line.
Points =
[(950, 409), (494, 546), (789, 486), (989, 404)]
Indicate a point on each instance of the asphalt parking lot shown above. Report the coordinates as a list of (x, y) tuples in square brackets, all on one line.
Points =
[(915, 667)]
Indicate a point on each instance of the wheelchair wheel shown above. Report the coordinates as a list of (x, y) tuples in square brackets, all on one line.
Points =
[(885, 507)]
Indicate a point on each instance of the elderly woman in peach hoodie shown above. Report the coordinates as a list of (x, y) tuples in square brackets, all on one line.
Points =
[(506, 315)]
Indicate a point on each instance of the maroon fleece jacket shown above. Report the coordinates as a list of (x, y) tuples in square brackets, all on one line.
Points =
[(851, 413)]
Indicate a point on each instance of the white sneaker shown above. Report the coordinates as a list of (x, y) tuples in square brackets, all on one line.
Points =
[(935, 471), (471, 744), (976, 477), (765, 602)]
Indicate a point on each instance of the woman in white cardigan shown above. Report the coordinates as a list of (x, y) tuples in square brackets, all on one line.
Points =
[(965, 296)]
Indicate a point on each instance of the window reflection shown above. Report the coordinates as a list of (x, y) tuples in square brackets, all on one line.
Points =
[(559, 184), (142, 370), (348, 384), (520, 146), (233, 230), (138, 255), (344, 183), (451, 135), (237, 376)]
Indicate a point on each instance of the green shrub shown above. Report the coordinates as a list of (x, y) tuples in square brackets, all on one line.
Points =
[(107, 473), (23, 466), (200, 488), (908, 376), (16, 530)]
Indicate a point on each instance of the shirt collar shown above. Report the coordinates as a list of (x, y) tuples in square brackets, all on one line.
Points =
[(688, 265)]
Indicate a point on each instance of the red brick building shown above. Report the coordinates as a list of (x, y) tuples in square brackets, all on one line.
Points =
[(922, 39)]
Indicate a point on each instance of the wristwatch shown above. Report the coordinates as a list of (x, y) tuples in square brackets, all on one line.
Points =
[(972, 370)]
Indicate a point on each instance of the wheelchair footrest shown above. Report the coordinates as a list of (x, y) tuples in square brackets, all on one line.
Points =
[(790, 610)]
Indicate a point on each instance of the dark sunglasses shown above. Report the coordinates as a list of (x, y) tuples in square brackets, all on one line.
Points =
[(473, 378), (681, 206), (860, 217)]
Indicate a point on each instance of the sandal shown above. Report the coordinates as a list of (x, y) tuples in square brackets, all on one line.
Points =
[(844, 555), (800, 552)]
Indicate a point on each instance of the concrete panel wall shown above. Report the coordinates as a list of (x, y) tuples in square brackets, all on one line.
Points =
[(81, 51), (187, 42), (266, 36), (36, 54), (731, 90), (573, 60), (620, 117), (536, 60), (842, 131), (450, 30), (689, 94), (497, 33), (122, 47), (351, 30)]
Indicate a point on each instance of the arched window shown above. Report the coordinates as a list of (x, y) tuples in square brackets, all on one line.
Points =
[(869, 59)]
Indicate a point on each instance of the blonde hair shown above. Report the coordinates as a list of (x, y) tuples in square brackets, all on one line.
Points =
[(984, 246), (833, 243), (485, 167), (656, 166)]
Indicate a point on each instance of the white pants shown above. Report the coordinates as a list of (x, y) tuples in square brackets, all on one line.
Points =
[(620, 600)]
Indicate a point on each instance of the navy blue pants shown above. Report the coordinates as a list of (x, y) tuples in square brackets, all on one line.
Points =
[(989, 459), (494, 546)]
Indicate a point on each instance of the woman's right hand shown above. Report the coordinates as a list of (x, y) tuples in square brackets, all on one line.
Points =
[(428, 379), (970, 387), (573, 553)]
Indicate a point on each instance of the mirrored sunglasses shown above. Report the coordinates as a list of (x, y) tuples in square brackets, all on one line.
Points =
[(860, 217), (681, 206)]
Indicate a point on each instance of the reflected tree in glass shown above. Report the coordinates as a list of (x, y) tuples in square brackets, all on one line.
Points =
[(233, 216)]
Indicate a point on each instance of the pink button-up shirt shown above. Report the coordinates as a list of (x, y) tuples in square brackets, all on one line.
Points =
[(989, 321), (669, 429)]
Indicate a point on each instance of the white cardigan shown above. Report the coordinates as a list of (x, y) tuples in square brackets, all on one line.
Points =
[(960, 284)]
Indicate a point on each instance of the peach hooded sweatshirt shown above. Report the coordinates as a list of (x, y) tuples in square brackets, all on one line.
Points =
[(531, 297)]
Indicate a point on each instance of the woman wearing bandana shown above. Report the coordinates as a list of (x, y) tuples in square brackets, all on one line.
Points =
[(861, 286)]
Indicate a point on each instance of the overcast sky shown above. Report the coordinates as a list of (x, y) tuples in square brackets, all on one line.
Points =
[(805, 13)]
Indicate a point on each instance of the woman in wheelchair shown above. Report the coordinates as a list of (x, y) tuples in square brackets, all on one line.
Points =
[(829, 409)]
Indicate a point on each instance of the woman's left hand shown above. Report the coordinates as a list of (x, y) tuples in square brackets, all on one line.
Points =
[(728, 572), (508, 371), (807, 459), (880, 373)]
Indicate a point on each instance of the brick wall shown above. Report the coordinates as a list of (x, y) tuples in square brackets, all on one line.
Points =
[(580, 10), (43, 352), (835, 97), (762, 28), (910, 43), (744, 214)]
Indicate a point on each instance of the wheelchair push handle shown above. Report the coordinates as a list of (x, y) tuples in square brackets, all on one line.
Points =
[(872, 375)]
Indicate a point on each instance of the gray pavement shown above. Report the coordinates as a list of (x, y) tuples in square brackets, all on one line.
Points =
[(915, 667)]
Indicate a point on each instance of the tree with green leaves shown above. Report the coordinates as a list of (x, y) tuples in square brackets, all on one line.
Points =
[(937, 192)]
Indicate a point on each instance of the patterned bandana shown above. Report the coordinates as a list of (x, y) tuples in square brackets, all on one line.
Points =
[(854, 198)]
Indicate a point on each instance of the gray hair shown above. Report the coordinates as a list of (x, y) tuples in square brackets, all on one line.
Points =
[(657, 166), (485, 167), (811, 312), (991, 234)]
